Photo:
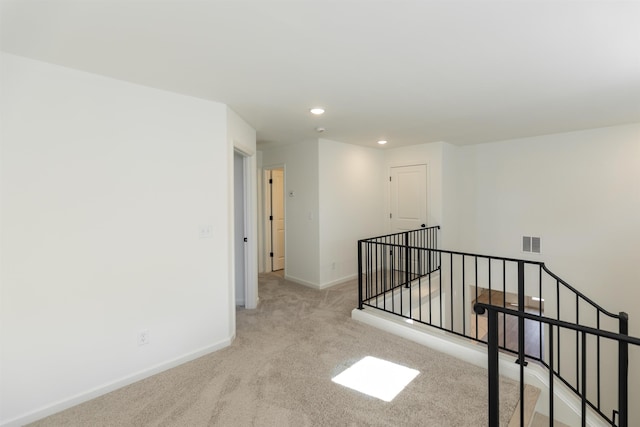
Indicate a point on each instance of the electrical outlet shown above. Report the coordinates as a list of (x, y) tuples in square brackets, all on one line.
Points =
[(143, 337)]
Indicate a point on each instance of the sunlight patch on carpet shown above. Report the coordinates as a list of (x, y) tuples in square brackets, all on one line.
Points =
[(376, 377)]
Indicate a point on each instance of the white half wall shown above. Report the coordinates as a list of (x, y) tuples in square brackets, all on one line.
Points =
[(105, 186), (351, 206)]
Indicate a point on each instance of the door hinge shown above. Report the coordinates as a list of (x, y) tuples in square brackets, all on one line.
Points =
[(271, 254), (270, 181), (390, 216), (270, 217), (389, 179), (245, 240)]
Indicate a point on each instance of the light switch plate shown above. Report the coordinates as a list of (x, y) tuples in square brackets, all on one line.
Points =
[(205, 231)]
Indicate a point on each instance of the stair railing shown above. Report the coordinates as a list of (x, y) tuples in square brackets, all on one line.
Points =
[(622, 340), (408, 275)]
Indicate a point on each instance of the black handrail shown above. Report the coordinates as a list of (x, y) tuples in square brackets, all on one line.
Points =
[(583, 296), (493, 366), (401, 233), (407, 274)]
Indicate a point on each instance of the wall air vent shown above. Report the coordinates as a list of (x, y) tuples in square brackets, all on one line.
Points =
[(531, 244)]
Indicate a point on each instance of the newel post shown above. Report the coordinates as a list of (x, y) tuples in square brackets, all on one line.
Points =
[(406, 260), (360, 274), (623, 372)]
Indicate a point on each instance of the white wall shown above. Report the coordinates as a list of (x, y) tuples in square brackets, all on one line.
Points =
[(104, 186), (458, 194), (580, 192), (302, 244), (351, 206)]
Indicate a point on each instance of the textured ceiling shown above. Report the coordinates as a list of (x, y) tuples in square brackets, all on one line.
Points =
[(408, 71)]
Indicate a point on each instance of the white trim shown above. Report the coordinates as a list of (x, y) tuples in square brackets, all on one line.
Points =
[(250, 216), (339, 281), (323, 285), (92, 393), (251, 233), (301, 282)]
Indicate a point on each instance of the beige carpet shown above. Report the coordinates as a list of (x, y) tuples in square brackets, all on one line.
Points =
[(278, 373)]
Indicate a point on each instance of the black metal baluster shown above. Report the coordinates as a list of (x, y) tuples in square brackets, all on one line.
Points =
[(419, 286), (494, 371), (584, 379), (399, 283), (551, 379), (577, 342), (407, 260), (558, 318), (623, 372), (504, 303), (440, 286), (464, 309), (521, 349), (489, 274), (598, 356), (373, 272), (475, 260), (360, 243), (367, 256), (384, 276), (409, 287), (540, 338), (451, 288), (393, 272)]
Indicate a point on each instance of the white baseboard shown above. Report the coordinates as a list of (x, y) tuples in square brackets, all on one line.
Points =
[(69, 402), (339, 281), (301, 282), (322, 285)]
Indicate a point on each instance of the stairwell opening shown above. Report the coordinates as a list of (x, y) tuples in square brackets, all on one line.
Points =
[(508, 325)]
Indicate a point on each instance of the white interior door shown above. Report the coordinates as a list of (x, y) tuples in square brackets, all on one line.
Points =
[(408, 210), (277, 224), (408, 197)]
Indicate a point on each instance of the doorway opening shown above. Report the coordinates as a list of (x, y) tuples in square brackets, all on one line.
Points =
[(275, 219), (244, 231), (239, 233)]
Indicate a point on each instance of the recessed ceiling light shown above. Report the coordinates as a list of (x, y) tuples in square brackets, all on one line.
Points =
[(382, 142), (317, 111)]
